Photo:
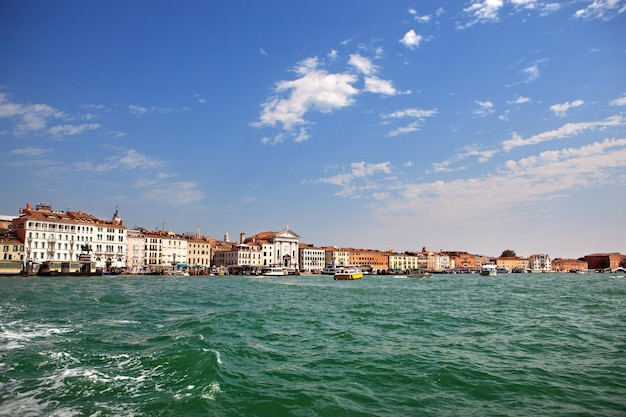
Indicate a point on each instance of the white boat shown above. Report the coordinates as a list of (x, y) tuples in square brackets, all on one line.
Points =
[(488, 270), (503, 270), (330, 269), (273, 271), (348, 273)]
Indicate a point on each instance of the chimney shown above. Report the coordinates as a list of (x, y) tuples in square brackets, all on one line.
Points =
[(242, 237)]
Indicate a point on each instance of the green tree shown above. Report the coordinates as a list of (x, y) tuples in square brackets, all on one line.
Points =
[(508, 253)]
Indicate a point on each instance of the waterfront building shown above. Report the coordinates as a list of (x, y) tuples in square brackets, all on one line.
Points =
[(12, 248), (512, 263), (173, 250), (152, 250), (334, 256), (136, 256), (567, 265), (199, 252), (312, 259), (605, 260), (375, 259), (406, 262), (6, 222), (277, 248), (462, 260), (61, 237), (540, 263)]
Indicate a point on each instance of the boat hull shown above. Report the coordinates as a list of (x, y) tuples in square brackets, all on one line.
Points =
[(346, 276)]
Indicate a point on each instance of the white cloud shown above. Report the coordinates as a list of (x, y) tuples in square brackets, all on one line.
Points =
[(419, 18), (602, 9), (485, 108), (562, 108), (519, 100), (32, 117), (71, 130), (411, 39), (186, 192), (483, 11), (357, 179), (567, 130), (30, 151), (619, 101), (413, 113), (379, 86), (482, 155), (127, 160), (362, 64), (315, 90), (531, 73), (134, 109), (537, 179)]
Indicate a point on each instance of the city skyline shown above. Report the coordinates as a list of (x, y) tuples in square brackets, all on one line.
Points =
[(477, 126)]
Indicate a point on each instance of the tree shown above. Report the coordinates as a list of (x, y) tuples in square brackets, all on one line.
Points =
[(508, 254)]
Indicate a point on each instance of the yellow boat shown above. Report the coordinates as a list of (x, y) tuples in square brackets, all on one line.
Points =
[(348, 273)]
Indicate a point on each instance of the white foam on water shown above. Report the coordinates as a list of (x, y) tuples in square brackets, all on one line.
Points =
[(214, 389), (16, 334)]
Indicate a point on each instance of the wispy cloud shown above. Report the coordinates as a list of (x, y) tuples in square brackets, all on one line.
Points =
[(418, 17), (482, 155), (485, 108), (519, 100), (30, 151), (174, 194), (535, 179), (127, 160), (483, 11), (621, 101), (410, 113), (32, 117), (353, 182), (602, 9), (565, 131), (72, 130), (562, 108)]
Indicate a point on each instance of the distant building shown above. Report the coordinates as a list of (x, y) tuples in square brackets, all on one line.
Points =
[(56, 236), (605, 260), (12, 248), (278, 248), (540, 263), (135, 257), (334, 256), (312, 259), (567, 265), (377, 260), (513, 263)]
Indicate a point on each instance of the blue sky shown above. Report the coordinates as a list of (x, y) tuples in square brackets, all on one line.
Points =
[(478, 126)]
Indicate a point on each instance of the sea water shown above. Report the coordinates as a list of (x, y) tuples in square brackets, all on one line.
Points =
[(450, 345)]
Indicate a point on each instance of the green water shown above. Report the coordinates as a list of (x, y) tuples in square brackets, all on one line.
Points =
[(451, 345)]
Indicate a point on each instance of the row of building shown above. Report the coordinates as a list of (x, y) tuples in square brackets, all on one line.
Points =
[(66, 240)]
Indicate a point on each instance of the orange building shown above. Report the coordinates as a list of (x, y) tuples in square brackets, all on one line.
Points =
[(567, 265)]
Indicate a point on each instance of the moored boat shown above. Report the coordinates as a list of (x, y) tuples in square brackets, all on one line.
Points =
[(11, 267), (273, 271), (488, 270), (420, 275), (348, 274)]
